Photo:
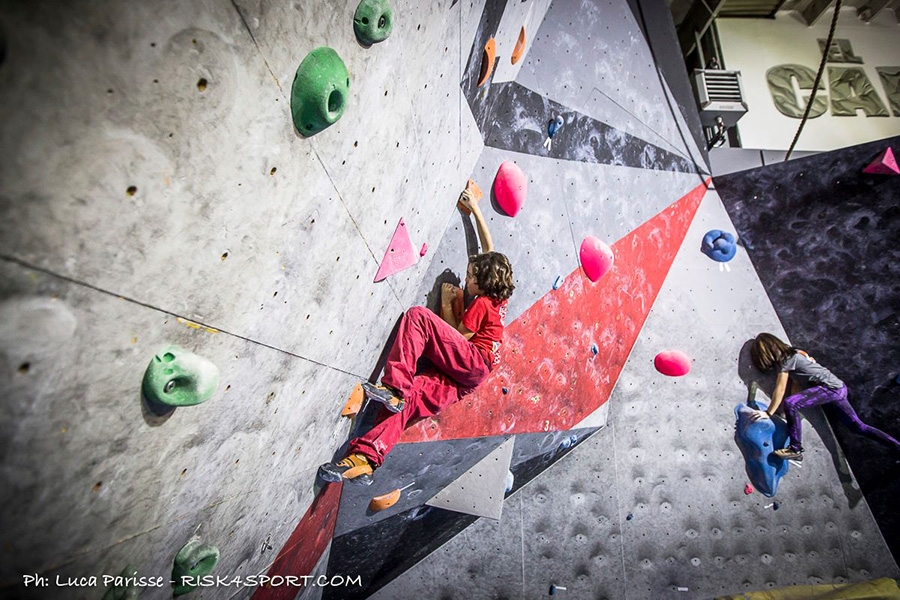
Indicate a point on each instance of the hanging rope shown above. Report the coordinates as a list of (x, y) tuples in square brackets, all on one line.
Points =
[(815, 88)]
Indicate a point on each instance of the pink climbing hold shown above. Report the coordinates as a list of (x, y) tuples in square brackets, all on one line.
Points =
[(596, 258), (673, 363), (399, 255), (748, 489), (423, 250), (510, 188), (885, 164)]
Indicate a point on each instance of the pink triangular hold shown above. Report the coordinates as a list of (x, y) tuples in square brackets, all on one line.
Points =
[(885, 164), (399, 255)]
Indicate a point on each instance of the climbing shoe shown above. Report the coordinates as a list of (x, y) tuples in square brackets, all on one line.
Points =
[(384, 395), (355, 468), (789, 454)]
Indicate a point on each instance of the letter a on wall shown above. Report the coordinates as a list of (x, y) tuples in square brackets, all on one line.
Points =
[(399, 255)]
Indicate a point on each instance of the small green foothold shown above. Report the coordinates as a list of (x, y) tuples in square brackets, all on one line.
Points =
[(192, 562), (373, 21), (176, 377), (320, 91), (124, 586)]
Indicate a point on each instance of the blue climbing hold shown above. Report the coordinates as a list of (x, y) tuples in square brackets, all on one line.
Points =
[(719, 245), (568, 442), (505, 390), (594, 349), (510, 481), (554, 126), (629, 517), (559, 281), (757, 437)]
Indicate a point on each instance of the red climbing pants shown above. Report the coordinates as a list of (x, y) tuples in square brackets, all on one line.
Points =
[(458, 367)]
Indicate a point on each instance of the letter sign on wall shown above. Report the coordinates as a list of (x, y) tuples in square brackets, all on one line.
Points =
[(782, 89)]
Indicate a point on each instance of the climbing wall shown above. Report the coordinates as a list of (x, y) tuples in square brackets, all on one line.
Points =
[(156, 193), (840, 300)]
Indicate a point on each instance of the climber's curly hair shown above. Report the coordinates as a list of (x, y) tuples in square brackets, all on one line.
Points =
[(494, 274)]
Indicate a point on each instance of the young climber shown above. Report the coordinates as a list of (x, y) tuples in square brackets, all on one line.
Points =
[(461, 351), (818, 386)]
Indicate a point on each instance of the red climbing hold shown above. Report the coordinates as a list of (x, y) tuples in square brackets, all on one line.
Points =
[(748, 489), (673, 363), (399, 255), (885, 164), (596, 258), (510, 188)]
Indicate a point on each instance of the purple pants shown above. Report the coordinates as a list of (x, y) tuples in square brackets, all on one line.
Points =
[(819, 395)]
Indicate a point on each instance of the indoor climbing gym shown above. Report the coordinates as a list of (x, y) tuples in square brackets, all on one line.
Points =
[(450, 299)]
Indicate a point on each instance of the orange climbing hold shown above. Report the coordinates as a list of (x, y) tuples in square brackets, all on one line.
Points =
[(476, 191), (519, 50), (354, 402), (384, 501), (487, 61)]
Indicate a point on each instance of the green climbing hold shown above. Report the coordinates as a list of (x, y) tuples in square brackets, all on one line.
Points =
[(373, 21), (320, 91), (192, 562), (176, 377), (124, 586)]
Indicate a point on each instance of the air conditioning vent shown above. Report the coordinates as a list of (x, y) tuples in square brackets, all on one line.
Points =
[(719, 94)]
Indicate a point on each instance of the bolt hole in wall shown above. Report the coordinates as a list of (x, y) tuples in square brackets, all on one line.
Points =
[(201, 84), (131, 190), (24, 368)]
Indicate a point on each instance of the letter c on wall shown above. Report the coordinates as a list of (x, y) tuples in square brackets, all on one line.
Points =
[(784, 96)]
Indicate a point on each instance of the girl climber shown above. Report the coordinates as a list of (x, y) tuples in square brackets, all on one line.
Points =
[(821, 387), (461, 352)]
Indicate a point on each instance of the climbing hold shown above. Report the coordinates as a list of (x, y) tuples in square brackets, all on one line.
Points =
[(757, 437), (320, 91), (748, 489), (556, 588), (554, 125), (354, 402), (510, 188), (568, 442), (373, 21), (718, 245), (629, 517), (673, 363), (423, 249), (124, 586), (384, 501), (505, 390), (399, 255), (510, 481), (596, 258), (477, 194), (594, 349), (519, 50), (487, 61), (193, 561), (885, 164), (776, 506), (557, 283), (176, 377)]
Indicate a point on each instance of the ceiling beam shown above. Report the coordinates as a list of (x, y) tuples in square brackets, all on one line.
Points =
[(814, 10), (696, 22), (870, 9)]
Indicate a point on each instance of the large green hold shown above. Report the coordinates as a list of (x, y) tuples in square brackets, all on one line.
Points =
[(176, 377), (373, 21), (320, 91), (193, 561)]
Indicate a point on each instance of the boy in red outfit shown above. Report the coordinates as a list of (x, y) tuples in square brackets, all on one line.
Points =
[(462, 352)]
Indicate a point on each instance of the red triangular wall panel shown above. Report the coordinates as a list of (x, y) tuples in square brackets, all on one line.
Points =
[(553, 379)]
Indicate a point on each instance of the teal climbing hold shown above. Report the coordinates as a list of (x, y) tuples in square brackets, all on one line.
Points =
[(373, 21), (320, 91), (193, 561), (176, 377)]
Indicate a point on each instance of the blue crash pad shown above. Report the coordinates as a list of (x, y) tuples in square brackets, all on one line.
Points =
[(758, 437)]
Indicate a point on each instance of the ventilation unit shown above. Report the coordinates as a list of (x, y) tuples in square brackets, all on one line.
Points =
[(720, 97)]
